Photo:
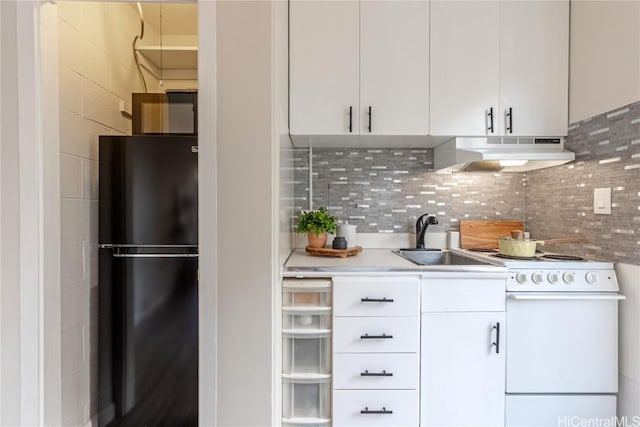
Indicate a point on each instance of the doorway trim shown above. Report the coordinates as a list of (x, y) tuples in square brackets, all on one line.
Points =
[(38, 160)]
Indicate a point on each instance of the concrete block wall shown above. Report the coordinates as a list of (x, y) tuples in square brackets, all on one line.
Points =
[(96, 73)]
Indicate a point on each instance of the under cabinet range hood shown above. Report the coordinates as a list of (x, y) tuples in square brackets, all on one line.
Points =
[(506, 154)]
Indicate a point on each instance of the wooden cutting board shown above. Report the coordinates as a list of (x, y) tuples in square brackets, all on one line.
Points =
[(485, 234), (330, 252)]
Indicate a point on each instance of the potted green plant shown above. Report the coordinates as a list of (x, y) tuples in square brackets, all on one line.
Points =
[(317, 223)]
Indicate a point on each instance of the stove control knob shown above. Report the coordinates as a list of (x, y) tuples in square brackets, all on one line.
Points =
[(568, 278), (592, 277), (537, 278), (521, 278), (553, 278)]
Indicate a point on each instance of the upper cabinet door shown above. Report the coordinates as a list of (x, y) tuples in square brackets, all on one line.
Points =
[(394, 67), (324, 67), (534, 73), (464, 67)]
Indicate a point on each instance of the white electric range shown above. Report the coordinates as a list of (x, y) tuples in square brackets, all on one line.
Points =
[(561, 339)]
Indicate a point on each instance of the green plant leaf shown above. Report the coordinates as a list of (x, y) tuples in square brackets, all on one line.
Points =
[(317, 221)]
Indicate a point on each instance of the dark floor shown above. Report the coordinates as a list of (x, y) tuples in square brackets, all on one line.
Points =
[(166, 366)]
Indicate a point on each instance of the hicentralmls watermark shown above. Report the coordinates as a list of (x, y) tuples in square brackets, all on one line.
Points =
[(576, 421)]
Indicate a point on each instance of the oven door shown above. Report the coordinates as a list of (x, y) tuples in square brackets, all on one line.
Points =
[(562, 342)]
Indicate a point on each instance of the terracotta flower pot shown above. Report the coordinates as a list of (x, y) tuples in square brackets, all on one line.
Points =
[(317, 241)]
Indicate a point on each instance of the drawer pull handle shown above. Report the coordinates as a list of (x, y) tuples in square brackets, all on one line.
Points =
[(376, 337), (385, 299), (384, 373), (368, 411)]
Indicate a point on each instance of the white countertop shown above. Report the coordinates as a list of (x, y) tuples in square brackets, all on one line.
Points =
[(382, 258), (370, 261)]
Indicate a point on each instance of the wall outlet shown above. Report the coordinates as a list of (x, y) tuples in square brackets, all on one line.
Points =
[(602, 201)]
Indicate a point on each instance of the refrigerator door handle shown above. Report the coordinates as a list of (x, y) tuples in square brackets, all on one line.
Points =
[(133, 246), (117, 255)]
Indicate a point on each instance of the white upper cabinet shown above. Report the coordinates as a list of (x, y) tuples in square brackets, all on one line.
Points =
[(371, 57), (464, 67), (500, 63), (534, 67), (324, 67), (438, 67), (394, 67)]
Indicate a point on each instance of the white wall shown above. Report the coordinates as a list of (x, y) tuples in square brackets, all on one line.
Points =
[(604, 56), (29, 225), (605, 74), (285, 185), (286, 179), (248, 146), (96, 72), (207, 218), (9, 222)]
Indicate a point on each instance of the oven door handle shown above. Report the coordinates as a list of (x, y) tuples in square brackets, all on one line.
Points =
[(554, 297)]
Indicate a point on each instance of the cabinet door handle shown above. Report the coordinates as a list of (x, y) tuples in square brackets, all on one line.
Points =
[(508, 116), (370, 114), (384, 299), (490, 120), (350, 118), (376, 374), (496, 343), (368, 411), (376, 337)]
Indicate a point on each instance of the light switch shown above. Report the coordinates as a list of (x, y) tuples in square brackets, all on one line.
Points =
[(602, 201)]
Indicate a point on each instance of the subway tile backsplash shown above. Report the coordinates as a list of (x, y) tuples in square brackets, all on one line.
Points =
[(559, 201), (384, 190)]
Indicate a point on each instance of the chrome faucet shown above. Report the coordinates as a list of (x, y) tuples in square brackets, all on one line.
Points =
[(422, 223)]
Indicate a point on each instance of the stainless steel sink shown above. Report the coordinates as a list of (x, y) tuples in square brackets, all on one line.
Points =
[(436, 257)]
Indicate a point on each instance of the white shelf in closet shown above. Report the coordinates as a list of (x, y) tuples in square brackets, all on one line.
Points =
[(171, 57)]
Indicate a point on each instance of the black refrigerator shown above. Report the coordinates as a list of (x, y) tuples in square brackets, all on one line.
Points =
[(148, 279)]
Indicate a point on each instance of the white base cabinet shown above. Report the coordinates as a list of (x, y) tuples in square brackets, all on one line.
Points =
[(397, 408), (376, 347), (462, 369), (559, 410), (462, 355), (376, 371)]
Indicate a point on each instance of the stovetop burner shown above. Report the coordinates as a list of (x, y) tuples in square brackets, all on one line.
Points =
[(542, 257), (485, 250), (521, 258), (562, 257)]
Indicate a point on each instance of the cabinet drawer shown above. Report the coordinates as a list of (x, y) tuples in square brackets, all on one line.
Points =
[(376, 296), (359, 407), (376, 371), (456, 294), (376, 334)]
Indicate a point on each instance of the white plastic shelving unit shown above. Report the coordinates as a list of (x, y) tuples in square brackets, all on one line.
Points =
[(306, 361)]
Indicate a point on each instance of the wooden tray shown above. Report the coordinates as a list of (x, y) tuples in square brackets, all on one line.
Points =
[(485, 234), (330, 252)]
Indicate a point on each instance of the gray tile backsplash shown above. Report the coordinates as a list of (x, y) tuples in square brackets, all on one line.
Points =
[(559, 201), (384, 190)]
